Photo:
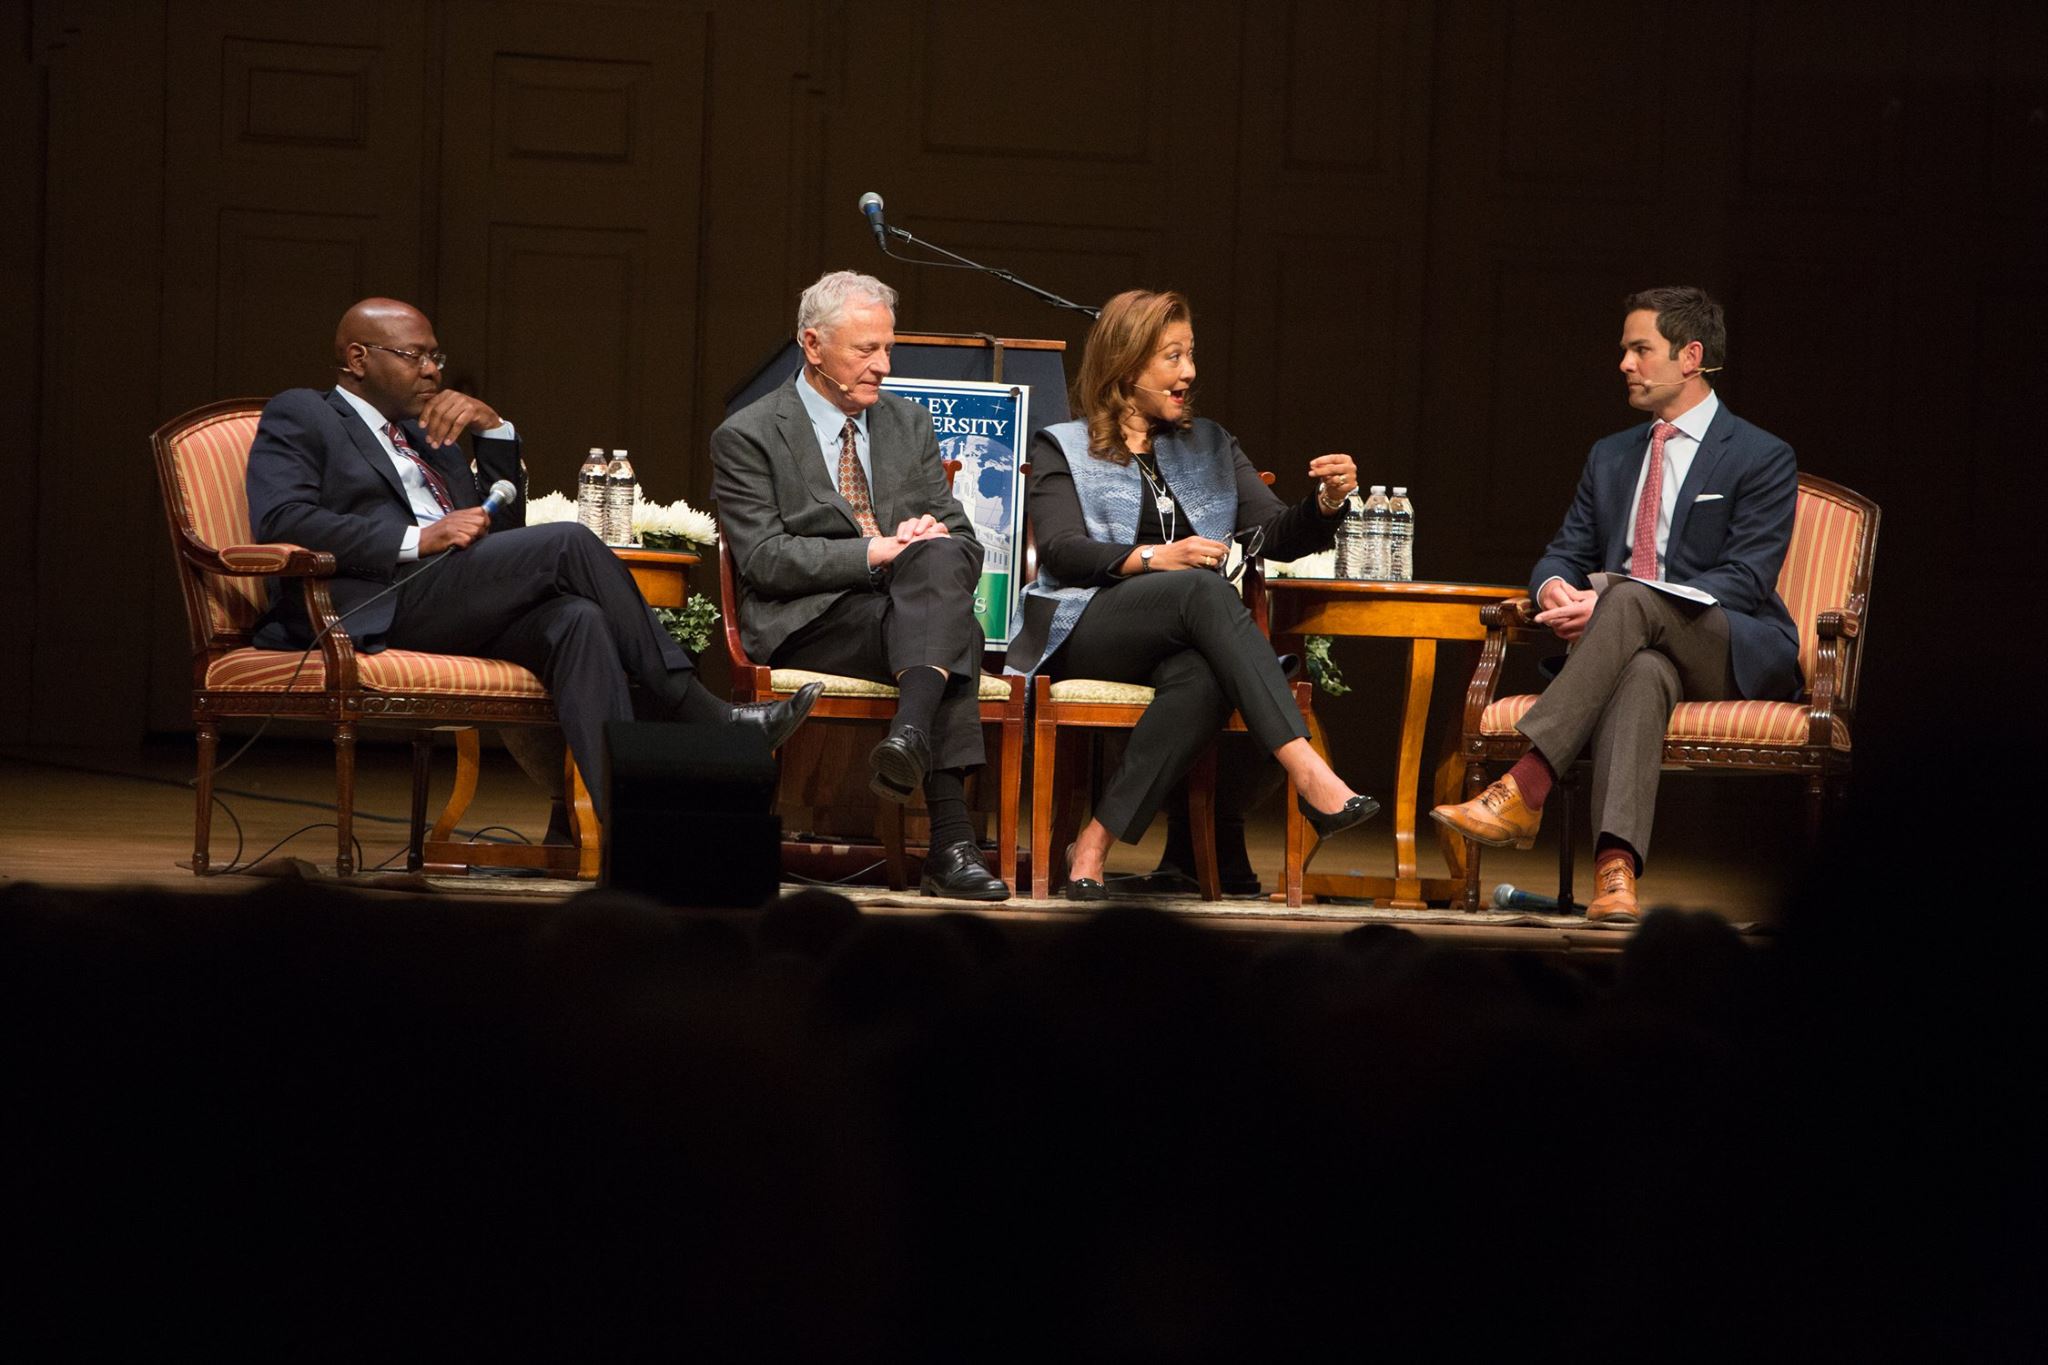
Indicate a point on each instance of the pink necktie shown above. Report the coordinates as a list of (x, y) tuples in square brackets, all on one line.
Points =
[(433, 476), (853, 484), (1642, 560)]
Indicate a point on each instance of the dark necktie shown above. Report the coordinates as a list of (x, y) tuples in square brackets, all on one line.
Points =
[(853, 483), (427, 471), (1642, 560)]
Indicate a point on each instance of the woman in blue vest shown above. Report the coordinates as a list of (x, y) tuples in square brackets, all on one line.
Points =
[(1133, 507)]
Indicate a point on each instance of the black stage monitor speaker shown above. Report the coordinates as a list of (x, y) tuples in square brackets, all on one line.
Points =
[(692, 817)]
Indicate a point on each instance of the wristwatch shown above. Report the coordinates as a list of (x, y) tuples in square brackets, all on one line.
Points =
[(1144, 558)]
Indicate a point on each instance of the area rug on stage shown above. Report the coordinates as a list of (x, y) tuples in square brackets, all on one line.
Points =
[(882, 899), (301, 869)]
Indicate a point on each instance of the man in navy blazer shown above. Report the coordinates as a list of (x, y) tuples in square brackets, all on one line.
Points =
[(372, 472), (1697, 501)]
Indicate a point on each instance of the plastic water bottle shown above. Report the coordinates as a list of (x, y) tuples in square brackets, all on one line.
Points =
[(1379, 526), (1402, 541), (618, 501), (590, 492), (1351, 539)]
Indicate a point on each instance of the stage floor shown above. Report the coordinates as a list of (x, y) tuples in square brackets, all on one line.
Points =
[(107, 819)]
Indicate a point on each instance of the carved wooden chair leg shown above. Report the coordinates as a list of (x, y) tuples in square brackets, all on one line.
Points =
[(1202, 823), (344, 799), (889, 827), (416, 826), (1044, 744), (202, 814), (1565, 793), (1012, 779)]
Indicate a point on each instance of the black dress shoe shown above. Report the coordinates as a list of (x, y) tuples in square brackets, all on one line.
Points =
[(1356, 811), (898, 764), (957, 872), (1083, 888), (777, 720)]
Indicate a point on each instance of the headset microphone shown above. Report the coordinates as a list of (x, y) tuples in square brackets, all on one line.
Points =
[(830, 380), (1685, 379)]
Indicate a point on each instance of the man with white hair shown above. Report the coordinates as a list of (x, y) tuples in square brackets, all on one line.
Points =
[(855, 558)]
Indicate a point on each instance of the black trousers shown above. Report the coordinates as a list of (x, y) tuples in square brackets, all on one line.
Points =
[(923, 618), (1187, 635), (553, 599)]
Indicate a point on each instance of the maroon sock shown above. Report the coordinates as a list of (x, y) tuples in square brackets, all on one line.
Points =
[(1533, 775), (1607, 847)]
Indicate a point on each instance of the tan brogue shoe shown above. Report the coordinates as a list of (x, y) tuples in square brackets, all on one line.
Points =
[(1497, 817), (1616, 903)]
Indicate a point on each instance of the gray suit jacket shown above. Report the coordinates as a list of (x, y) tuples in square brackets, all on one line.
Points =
[(795, 545)]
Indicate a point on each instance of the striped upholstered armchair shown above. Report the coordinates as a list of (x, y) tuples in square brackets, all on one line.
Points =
[(202, 459), (1825, 584)]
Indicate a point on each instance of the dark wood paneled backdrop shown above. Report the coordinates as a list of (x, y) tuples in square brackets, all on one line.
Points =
[(1406, 225)]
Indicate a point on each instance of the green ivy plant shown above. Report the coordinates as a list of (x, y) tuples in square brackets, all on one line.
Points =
[(1322, 669), (690, 626)]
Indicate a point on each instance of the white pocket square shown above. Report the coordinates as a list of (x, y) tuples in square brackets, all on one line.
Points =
[(1708, 497)]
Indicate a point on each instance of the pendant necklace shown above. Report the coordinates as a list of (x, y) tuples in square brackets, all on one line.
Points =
[(1162, 501)]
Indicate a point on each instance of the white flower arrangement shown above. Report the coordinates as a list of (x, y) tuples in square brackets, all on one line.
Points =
[(550, 507), (1321, 564), (677, 519), (676, 522)]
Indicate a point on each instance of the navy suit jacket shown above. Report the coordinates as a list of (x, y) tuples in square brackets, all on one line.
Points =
[(1731, 545), (318, 478)]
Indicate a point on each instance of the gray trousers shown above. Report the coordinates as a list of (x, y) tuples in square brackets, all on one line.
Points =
[(1642, 653), (924, 618)]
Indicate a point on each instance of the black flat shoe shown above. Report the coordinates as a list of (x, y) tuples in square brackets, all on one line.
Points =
[(1086, 889), (776, 721), (898, 764), (1356, 811), (957, 872)]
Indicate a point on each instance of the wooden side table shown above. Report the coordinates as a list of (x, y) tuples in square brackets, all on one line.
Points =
[(1422, 614), (664, 579)]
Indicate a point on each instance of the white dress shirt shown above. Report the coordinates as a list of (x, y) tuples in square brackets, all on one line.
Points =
[(426, 511), (1692, 427), (828, 421)]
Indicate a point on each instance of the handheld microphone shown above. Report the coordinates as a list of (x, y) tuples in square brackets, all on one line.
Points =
[(1685, 379), (871, 207), (500, 497), (1506, 897)]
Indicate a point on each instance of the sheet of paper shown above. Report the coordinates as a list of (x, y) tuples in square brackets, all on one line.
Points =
[(1600, 582)]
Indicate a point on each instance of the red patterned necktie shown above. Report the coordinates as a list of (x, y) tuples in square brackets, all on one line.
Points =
[(853, 483), (432, 476), (1642, 560)]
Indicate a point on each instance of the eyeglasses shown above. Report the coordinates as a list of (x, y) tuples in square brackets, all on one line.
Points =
[(1251, 543), (418, 358)]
